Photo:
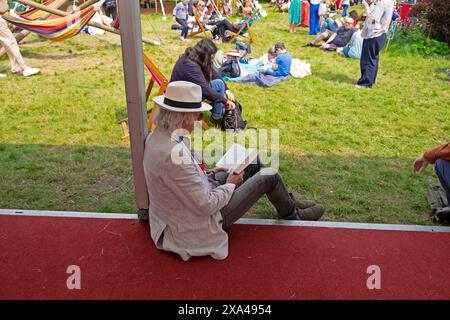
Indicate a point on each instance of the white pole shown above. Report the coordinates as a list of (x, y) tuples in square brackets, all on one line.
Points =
[(163, 11), (133, 71)]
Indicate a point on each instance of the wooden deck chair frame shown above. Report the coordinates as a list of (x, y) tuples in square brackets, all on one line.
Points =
[(200, 25), (158, 78), (248, 38)]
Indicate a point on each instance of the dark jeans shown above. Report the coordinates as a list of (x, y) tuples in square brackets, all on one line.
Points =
[(257, 184), (223, 26), (442, 168), (369, 60), (184, 27)]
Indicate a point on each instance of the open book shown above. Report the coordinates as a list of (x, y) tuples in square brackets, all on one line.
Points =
[(237, 158)]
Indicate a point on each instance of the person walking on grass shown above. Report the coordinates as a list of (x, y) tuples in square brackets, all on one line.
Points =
[(8, 41), (376, 25), (180, 12), (294, 14)]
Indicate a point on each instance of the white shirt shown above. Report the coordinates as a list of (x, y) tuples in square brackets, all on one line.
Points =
[(378, 19), (316, 1)]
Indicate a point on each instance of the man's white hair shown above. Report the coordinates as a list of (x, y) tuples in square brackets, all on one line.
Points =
[(170, 121)]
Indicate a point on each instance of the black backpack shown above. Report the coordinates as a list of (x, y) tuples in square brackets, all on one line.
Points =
[(230, 68), (232, 119)]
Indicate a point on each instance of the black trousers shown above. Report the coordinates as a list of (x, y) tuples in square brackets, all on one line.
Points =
[(369, 60)]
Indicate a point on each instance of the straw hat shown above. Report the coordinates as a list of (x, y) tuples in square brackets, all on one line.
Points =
[(182, 96)]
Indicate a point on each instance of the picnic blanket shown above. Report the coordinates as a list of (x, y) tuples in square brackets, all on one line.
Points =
[(260, 79)]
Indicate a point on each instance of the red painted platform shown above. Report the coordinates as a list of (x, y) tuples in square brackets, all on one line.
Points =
[(119, 261)]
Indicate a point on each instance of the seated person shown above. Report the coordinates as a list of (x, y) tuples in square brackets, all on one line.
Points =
[(332, 25), (283, 61), (338, 39), (354, 48), (225, 25), (196, 65), (190, 208), (440, 157), (266, 61)]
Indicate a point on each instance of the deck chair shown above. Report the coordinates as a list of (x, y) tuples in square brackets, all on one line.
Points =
[(201, 28), (246, 28), (158, 78)]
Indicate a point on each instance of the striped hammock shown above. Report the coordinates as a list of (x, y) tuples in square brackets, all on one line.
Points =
[(33, 13), (55, 29)]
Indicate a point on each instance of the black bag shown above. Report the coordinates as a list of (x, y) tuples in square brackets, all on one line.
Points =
[(243, 46), (232, 119), (230, 68)]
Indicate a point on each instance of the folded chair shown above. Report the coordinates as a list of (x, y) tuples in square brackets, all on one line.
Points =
[(201, 28), (245, 32)]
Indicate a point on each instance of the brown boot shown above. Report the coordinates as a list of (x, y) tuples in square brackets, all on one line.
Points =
[(302, 204), (312, 213)]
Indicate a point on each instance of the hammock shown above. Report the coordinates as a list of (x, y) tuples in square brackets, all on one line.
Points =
[(55, 29), (33, 13)]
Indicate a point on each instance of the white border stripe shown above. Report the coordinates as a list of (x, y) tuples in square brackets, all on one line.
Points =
[(345, 225), (317, 224), (67, 214)]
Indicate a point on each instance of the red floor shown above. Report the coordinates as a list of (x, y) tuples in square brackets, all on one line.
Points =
[(118, 261)]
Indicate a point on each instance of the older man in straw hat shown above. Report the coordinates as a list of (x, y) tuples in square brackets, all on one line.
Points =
[(188, 211)]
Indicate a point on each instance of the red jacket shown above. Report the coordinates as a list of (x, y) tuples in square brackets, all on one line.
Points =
[(441, 152)]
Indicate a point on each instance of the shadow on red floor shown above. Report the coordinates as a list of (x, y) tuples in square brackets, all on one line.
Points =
[(118, 260)]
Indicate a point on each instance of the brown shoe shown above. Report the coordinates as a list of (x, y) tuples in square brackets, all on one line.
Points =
[(304, 204), (312, 213)]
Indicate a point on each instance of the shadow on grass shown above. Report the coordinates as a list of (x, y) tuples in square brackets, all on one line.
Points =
[(88, 178), (333, 77)]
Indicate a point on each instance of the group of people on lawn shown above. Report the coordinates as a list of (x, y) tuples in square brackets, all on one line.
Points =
[(191, 207), (199, 15)]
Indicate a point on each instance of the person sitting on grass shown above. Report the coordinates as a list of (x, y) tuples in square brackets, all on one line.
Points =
[(223, 26), (339, 39), (180, 12), (440, 157), (191, 207), (354, 48), (196, 65), (283, 61), (333, 25)]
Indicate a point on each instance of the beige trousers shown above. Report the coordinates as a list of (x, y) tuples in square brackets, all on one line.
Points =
[(8, 41)]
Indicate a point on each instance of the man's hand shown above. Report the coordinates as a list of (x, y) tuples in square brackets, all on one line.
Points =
[(325, 46), (236, 179), (229, 95), (230, 105), (420, 164)]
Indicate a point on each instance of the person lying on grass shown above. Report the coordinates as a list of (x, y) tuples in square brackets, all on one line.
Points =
[(223, 26), (339, 39), (190, 207)]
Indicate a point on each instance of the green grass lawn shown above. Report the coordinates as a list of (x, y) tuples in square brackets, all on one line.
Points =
[(350, 149)]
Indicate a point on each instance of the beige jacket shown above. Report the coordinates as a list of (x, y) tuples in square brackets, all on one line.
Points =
[(182, 204)]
